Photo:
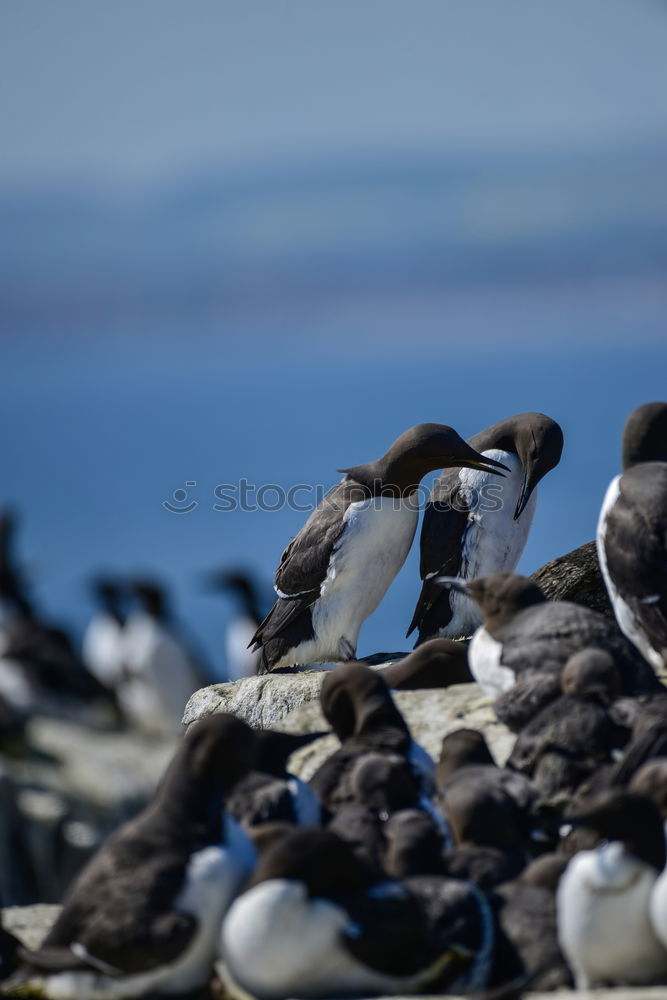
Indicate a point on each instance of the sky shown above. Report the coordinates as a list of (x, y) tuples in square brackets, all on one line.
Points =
[(139, 89), (262, 237)]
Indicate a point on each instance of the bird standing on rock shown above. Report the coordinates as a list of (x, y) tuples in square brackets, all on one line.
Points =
[(632, 534), (473, 526), (337, 569)]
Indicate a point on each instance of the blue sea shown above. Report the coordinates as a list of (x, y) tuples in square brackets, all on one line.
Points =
[(157, 341)]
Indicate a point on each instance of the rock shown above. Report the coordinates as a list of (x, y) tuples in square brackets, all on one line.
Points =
[(30, 924), (575, 577), (290, 702), (259, 701)]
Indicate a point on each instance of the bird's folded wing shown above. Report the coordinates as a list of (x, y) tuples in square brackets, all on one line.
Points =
[(305, 562), (445, 519)]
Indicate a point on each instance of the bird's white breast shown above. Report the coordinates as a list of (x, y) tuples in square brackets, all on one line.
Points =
[(241, 661), (492, 541), (484, 656), (161, 675), (627, 622), (375, 541), (604, 926), (102, 649), (277, 942)]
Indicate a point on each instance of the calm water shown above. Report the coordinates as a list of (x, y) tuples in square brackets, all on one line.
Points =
[(277, 327), (95, 438)]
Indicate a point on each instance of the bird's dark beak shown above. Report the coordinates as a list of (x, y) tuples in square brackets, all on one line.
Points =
[(453, 582), (525, 495), (471, 459)]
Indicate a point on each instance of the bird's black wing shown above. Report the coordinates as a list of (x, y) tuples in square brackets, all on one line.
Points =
[(444, 522), (121, 908), (305, 562), (636, 548)]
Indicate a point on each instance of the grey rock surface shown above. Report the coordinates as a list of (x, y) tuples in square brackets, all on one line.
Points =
[(259, 701), (30, 924)]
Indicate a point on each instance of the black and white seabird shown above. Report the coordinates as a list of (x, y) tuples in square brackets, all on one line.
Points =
[(337, 569), (493, 816), (358, 705), (571, 737), (144, 916), (161, 669), (474, 525), (437, 663), (518, 653), (315, 923), (604, 895), (528, 940), (240, 660), (102, 648), (632, 534), (270, 794)]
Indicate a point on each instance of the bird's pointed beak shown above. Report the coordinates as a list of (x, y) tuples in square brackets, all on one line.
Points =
[(472, 459), (453, 582), (524, 496)]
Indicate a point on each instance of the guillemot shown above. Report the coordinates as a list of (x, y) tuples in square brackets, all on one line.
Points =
[(102, 644), (358, 705), (518, 653), (336, 570), (239, 659), (632, 534), (604, 895), (144, 916), (474, 525), (437, 663), (270, 793), (571, 737), (161, 671), (314, 922)]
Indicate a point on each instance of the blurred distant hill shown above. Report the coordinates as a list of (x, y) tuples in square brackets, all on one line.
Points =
[(72, 254)]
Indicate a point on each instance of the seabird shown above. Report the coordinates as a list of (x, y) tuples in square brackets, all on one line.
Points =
[(462, 748), (528, 940), (437, 663), (358, 705), (102, 647), (161, 670), (144, 915), (315, 923), (493, 816), (603, 898), (240, 660), (571, 737), (474, 525), (518, 653), (632, 534), (336, 570), (381, 786), (270, 793)]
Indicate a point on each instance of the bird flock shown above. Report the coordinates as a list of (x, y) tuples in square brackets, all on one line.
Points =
[(387, 872)]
